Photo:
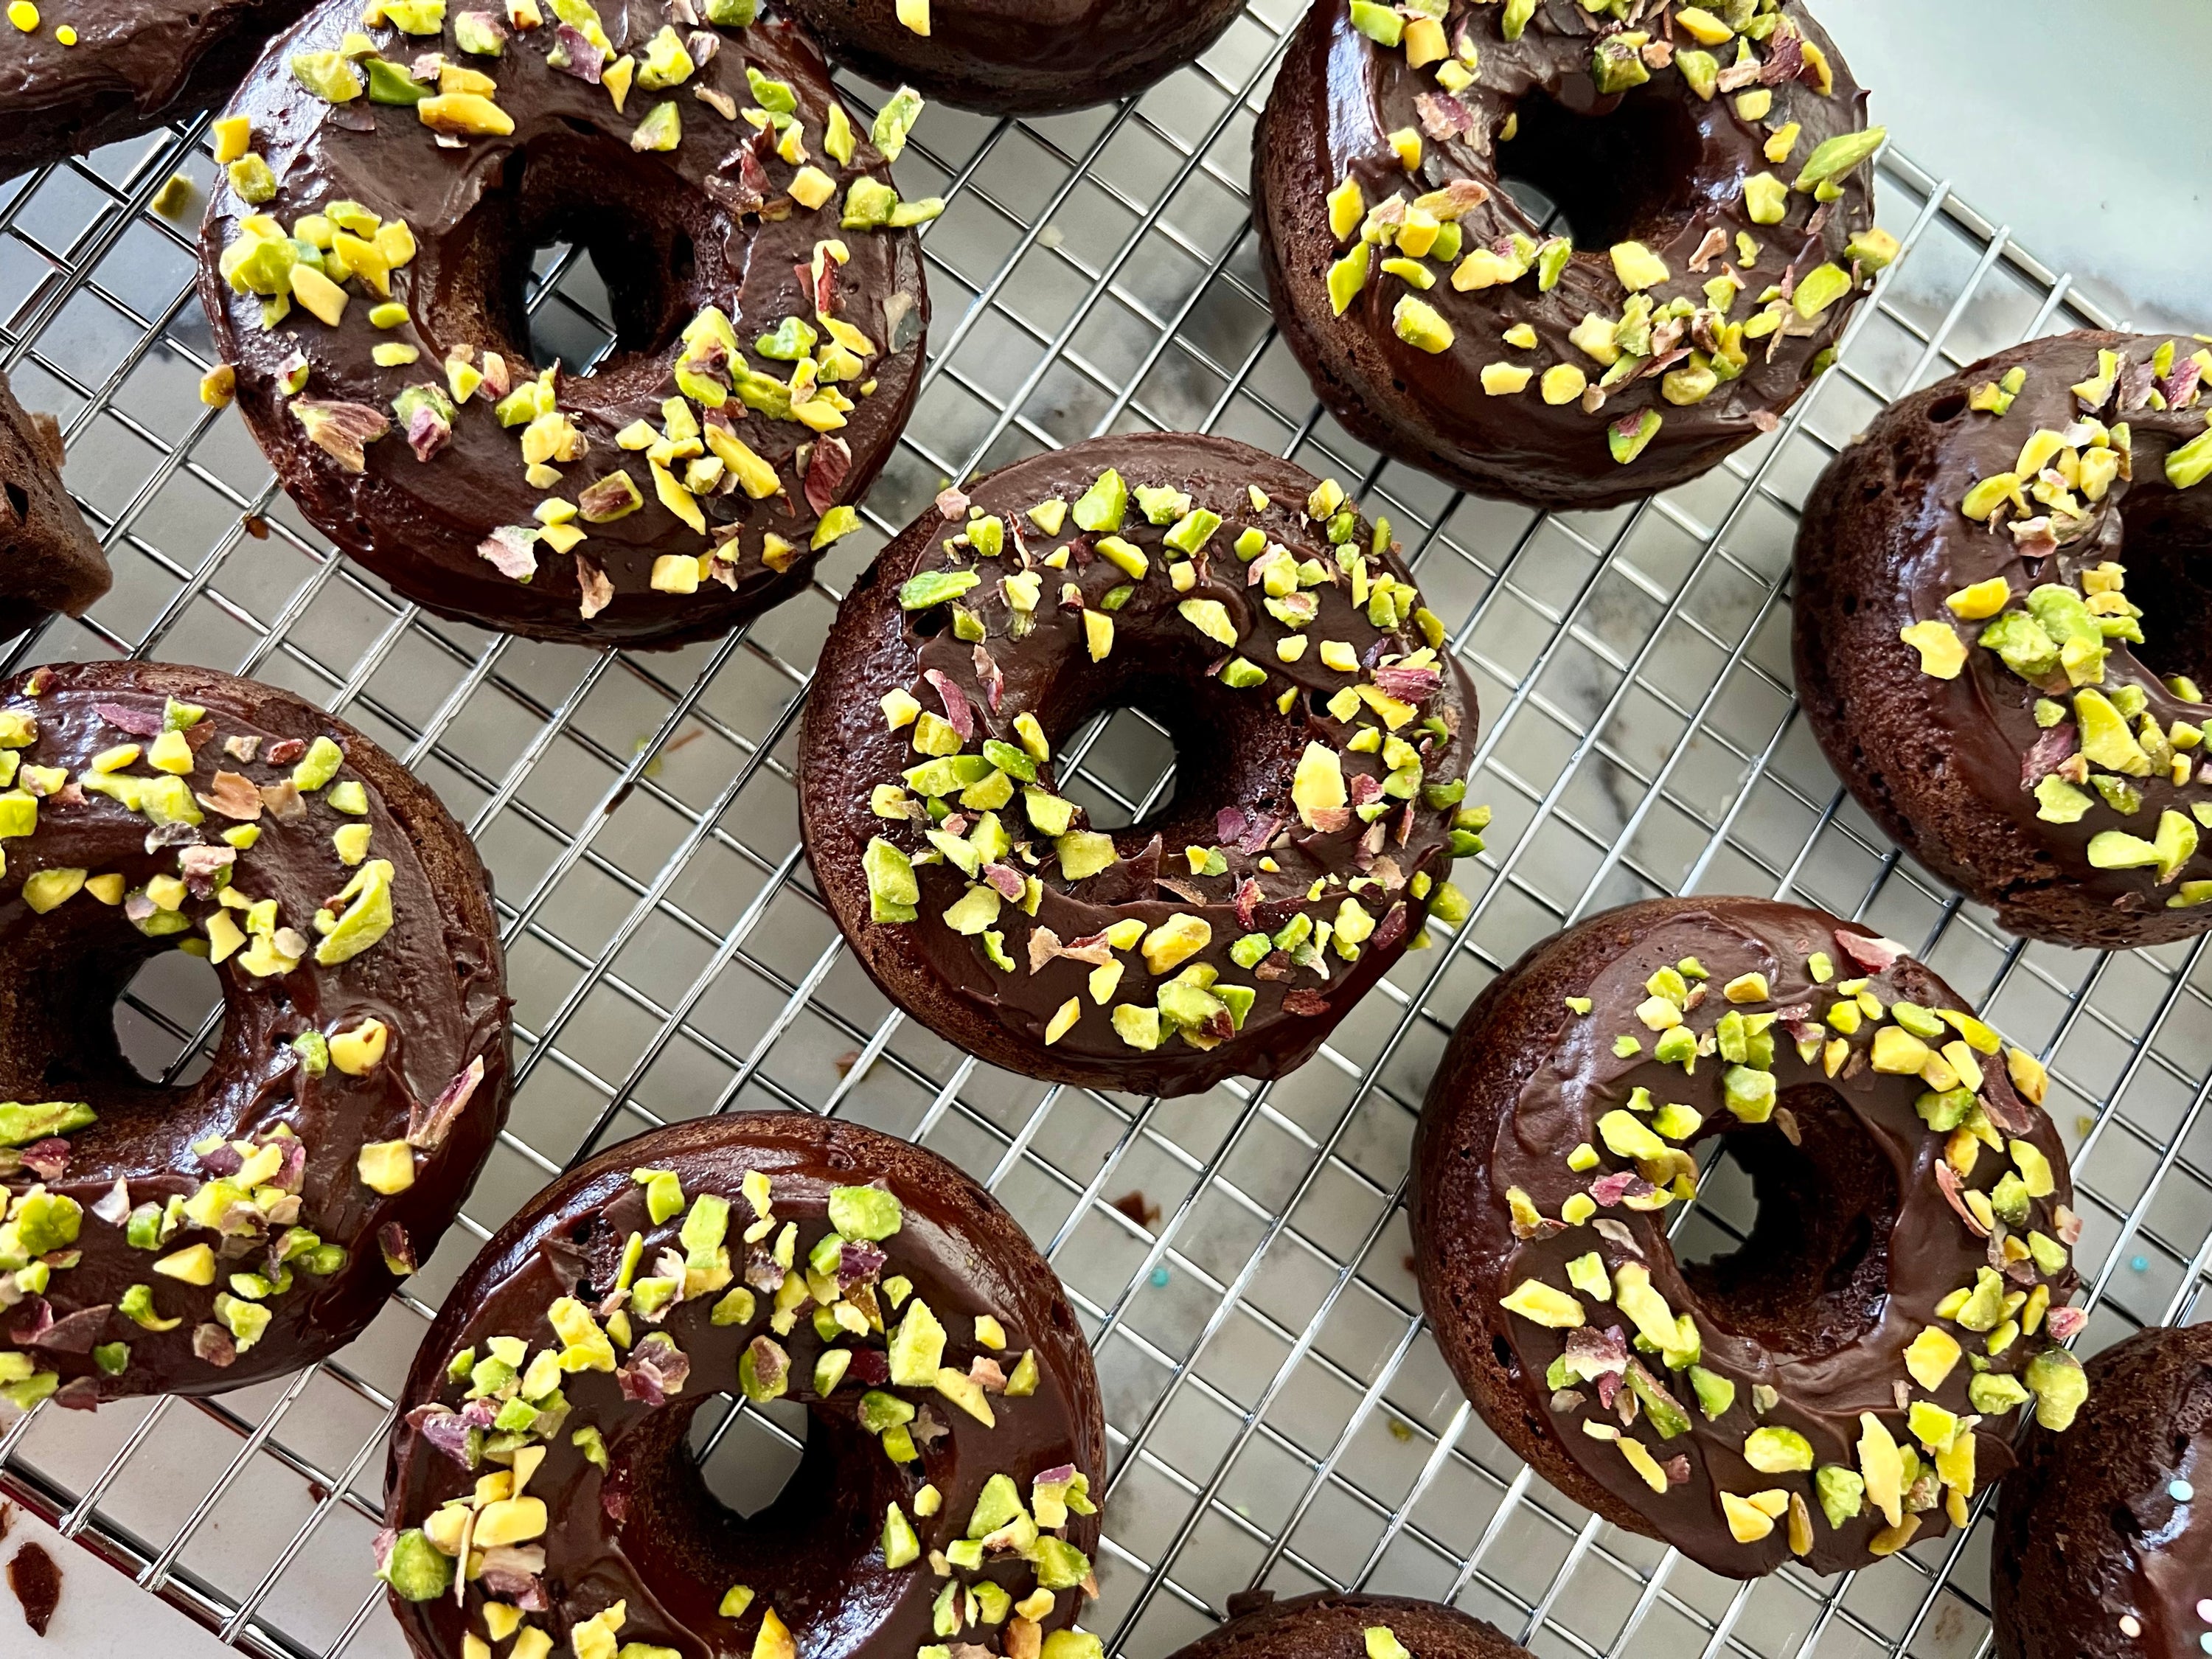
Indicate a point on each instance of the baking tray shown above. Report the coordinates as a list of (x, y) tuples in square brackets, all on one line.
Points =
[(1278, 1413)]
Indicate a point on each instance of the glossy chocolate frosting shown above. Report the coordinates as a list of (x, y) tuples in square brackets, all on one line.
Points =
[(1657, 164), (644, 1530), (2104, 1535), (1021, 57), (1334, 1625), (1238, 754), (1949, 767), (709, 223), (49, 560), (132, 68), (434, 980), (1857, 1243)]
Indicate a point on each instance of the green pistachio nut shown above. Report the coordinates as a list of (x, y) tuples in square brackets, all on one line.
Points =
[(365, 919)]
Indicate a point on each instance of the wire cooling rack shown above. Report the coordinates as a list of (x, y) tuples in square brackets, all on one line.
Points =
[(1278, 1412)]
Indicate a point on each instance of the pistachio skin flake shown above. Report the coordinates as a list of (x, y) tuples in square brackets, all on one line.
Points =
[(2038, 753), (1397, 261), (657, 507), (1561, 1306), (972, 883), (873, 1272), (156, 807)]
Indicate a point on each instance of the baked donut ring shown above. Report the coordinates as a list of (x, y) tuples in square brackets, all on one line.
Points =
[(84, 76), (194, 1238), (1335, 1625), (1323, 730), (364, 271), (954, 1429), (2100, 1540), (1846, 1379), (1017, 57), (1709, 164), (49, 560), (2002, 629)]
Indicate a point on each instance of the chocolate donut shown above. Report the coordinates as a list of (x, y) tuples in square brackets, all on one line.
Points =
[(192, 1238), (1338, 1624), (49, 560), (2097, 1552), (84, 76), (2001, 634), (1018, 56), (1708, 163), (364, 272), (954, 1425), (1323, 731), (1845, 1381)]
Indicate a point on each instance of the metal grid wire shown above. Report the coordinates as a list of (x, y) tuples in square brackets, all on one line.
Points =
[(1278, 1412)]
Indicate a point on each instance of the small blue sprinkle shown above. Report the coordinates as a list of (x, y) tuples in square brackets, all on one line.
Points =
[(2180, 1491), (2205, 1641), (1160, 1278), (2142, 1264)]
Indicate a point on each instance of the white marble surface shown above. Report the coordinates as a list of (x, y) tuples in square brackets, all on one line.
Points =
[(101, 1614), (2081, 126)]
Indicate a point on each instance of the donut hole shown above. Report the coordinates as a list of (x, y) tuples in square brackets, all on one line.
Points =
[(1809, 1274), (748, 1459), (2166, 546), (811, 1543), (161, 1010), (1166, 749), (564, 209), (1631, 174)]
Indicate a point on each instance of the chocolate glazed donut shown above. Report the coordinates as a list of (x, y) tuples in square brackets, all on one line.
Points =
[(365, 268), (1708, 163), (118, 71), (1846, 1379), (2002, 634), (1322, 731), (2104, 1541), (1337, 1625), (954, 1433), (1018, 56), (192, 1238), (49, 560)]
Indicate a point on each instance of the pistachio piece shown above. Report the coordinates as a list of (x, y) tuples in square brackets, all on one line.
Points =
[(1834, 159), (1540, 1305)]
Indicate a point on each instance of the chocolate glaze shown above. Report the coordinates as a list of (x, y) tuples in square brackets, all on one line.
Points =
[(1337, 97), (49, 560), (1814, 1306), (37, 1583), (668, 224), (1334, 1625), (2089, 1529), (1236, 753), (1021, 57), (1939, 764), (813, 1554), (436, 979), (133, 68)]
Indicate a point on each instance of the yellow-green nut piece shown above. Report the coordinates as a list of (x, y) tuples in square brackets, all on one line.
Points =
[(1420, 325), (1348, 275), (1767, 198), (1541, 1304), (1820, 288), (1942, 654), (1835, 158)]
